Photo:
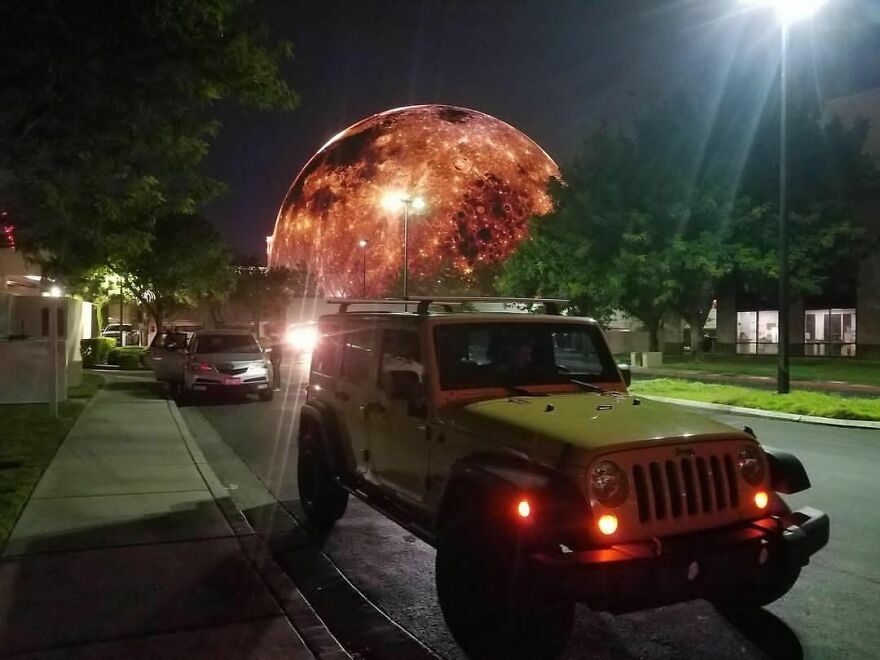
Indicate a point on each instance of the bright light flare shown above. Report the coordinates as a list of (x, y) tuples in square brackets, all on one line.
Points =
[(789, 11), (394, 201), (608, 524), (761, 499), (523, 509), (362, 243), (302, 339)]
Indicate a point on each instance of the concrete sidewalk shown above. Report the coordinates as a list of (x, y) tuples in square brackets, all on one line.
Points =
[(130, 547), (829, 386)]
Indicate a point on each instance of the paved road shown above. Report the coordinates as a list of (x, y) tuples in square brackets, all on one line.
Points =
[(831, 614)]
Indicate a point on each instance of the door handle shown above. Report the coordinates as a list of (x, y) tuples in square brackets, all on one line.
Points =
[(372, 407), (342, 396)]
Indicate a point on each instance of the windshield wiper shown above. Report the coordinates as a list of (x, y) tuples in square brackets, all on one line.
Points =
[(587, 386), (513, 390)]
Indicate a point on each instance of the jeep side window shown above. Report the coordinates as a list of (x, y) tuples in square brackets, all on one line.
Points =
[(324, 355), (400, 352), (357, 357)]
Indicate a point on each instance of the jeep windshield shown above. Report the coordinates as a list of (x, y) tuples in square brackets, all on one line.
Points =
[(509, 355)]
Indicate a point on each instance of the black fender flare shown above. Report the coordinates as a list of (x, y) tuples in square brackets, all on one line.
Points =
[(490, 484), (787, 473)]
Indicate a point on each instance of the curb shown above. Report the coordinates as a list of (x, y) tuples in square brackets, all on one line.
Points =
[(770, 414), (315, 634)]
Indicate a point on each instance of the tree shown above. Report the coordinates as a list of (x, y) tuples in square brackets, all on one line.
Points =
[(99, 287), (265, 292), (186, 263), (106, 110), (653, 220)]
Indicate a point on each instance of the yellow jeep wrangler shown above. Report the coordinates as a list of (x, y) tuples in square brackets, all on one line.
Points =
[(508, 441)]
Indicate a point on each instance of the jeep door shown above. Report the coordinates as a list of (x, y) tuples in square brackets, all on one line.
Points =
[(396, 416), (356, 385)]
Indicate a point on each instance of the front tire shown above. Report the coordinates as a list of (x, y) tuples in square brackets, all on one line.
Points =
[(266, 395), (490, 606), (323, 500)]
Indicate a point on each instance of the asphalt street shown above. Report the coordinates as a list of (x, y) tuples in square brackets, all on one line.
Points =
[(832, 613)]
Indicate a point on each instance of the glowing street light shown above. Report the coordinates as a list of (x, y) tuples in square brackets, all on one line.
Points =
[(362, 244), (787, 12), (394, 201)]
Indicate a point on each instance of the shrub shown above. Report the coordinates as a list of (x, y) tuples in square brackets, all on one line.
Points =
[(96, 350), (127, 357)]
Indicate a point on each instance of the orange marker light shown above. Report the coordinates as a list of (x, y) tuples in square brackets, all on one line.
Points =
[(761, 499), (608, 524), (524, 509)]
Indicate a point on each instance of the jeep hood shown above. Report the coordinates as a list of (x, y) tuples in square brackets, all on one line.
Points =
[(591, 422)]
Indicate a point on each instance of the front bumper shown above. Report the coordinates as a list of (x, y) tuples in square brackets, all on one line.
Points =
[(635, 576), (249, 386), (244, 388)]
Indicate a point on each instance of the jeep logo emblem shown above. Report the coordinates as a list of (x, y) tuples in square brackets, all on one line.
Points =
[(685, 451)]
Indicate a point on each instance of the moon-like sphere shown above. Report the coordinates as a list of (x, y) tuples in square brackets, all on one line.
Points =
[(479, 180)]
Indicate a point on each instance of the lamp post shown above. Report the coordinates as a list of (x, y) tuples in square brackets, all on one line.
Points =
[(121, 311), (787, 12), (363, 245), (393, 202)]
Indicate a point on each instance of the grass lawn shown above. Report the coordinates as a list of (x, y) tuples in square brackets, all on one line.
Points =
[(798, 402), (848, 370), (30, 438)]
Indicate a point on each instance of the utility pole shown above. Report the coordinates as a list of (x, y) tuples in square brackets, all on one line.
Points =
[(783, 375)]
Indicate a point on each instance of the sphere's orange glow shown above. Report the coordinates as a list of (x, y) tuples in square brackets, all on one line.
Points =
[(468, 181)]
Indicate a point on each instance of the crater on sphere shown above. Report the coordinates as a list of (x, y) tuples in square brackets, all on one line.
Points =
[(454, 115)]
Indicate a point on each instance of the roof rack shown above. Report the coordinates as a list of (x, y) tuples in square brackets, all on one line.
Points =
[(551, 305)]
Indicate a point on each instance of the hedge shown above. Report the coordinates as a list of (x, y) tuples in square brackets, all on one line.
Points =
[(96, 350), (127, 357)]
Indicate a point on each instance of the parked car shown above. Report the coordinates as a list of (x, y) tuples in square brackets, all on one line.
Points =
[(131, 334), (166, 356), (227, 360), (509, 442)]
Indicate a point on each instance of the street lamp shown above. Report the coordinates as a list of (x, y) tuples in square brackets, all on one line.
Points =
[(393, 201), (363, 246), (787, 12)]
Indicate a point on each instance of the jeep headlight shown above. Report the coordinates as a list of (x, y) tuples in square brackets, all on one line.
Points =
[(751, 464), (608, 483)]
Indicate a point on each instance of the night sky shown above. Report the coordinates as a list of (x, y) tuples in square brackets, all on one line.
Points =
[(555, 69)]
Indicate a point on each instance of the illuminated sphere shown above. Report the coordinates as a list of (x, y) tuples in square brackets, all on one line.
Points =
[(473, 182)]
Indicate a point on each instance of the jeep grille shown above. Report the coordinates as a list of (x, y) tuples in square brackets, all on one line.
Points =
[(685, 487), (677, 489)]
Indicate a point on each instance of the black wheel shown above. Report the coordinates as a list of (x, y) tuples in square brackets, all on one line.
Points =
[(322, 498), (183, 396), (489, 604), (266, 395)]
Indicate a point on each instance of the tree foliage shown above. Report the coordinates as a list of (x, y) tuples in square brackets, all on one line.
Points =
[(186, 263), (651, 221), (265, 292), (106, 110)]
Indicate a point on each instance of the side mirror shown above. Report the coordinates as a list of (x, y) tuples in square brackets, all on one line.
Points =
[(402, 385), (626, 372), (267, 350)]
